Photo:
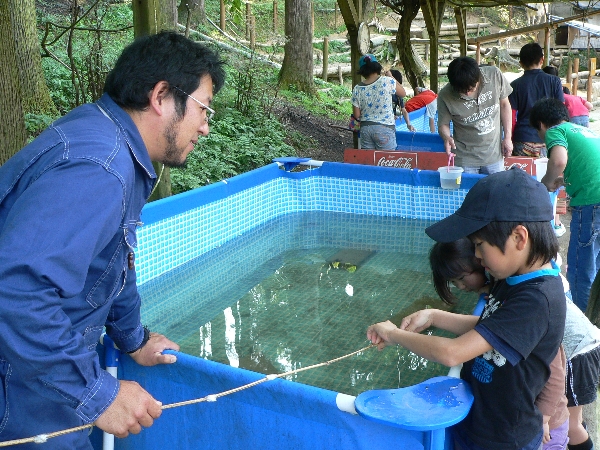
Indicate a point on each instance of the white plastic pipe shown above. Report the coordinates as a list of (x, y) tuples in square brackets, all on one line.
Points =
[(111, 359)]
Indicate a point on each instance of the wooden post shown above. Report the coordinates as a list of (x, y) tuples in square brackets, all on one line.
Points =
[(222, 22), (461, 27), (335, 7), (592, 69), (575, 81), (252, 32), (275, 18), (325, 57), (426, 55), (340, 75), (478, 53), (546, 46), (569, 72), (248, 15)]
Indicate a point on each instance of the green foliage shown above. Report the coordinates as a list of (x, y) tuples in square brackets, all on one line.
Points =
[(236, 144), (36, 123), (254, 84), (245, 133), (77, 77), (327, 18), (332, 101)]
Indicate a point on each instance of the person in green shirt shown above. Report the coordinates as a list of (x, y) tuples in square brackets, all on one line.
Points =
[(574, 162)]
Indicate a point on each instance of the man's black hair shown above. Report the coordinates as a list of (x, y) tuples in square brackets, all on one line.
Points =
[(551, 70), (544, 243), (166, 56), (463, 74), (531, 54), (548, 111), (369, 68)]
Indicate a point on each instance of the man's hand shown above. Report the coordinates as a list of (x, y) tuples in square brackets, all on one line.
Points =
[(449, 144), (133, 409), (553, 184), (507, 147), (151, 353)]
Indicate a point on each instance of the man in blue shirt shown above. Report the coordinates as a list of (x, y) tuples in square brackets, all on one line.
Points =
[(70, 202)]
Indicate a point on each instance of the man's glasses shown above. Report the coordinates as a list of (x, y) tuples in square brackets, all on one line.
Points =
[(210, 113)]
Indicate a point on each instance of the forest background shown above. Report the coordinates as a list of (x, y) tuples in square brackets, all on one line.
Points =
[(55, 54)]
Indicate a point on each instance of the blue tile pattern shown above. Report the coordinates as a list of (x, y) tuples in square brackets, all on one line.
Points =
[(168, 243)]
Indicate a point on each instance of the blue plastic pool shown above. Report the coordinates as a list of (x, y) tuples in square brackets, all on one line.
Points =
[(276, 414)]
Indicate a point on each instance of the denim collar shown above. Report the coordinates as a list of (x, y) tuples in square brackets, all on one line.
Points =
[(554, 272), (129, 130)]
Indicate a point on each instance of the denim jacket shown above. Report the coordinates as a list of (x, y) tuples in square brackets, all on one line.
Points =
[(70, 202)]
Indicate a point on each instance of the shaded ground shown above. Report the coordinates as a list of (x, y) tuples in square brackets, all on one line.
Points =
[(320, 138)]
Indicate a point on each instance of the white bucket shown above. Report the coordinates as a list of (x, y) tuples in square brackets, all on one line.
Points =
[(541, 164), (450, 176)]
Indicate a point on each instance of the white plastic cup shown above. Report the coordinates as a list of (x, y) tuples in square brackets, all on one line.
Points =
[(450, 176), (541, 164)]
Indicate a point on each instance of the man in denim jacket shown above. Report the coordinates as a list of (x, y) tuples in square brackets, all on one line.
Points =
[(70, 202)]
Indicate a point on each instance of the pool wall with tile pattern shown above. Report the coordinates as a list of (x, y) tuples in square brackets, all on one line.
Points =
[(185, 226), (278, 414)]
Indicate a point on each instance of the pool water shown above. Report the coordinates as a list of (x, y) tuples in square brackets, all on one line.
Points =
[(274, 299)]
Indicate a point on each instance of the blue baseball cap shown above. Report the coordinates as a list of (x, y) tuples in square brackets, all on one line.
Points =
[(507, 196), (365, 59)]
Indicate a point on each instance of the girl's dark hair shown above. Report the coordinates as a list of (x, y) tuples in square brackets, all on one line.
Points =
[(397, 75), (166, 56), (551, 70), (548, 111), (370, 67), (544, 243), (450, 260)]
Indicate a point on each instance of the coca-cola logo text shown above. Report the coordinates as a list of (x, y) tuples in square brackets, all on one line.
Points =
[(400, 163)]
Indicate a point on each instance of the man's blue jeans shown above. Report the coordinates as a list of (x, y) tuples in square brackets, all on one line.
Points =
[(584, 248)]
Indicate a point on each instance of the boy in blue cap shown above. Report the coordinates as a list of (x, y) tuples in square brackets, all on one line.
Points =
[(506, 353)]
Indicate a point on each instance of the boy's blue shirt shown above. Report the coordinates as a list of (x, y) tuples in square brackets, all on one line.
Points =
[(524, 323)]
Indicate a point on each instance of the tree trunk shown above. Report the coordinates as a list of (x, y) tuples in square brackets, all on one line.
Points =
[(34, 91), (12, 126), (412, 70), (150, 17), (297, 66), (192, 12), (433, 13)]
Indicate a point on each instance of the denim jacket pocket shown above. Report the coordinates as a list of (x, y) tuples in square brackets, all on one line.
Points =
[(112, 280), (5, 372)]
